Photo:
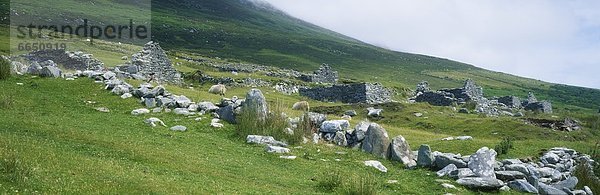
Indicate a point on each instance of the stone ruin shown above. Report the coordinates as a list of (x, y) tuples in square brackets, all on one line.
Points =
[(370, 93), (446, 97), (325, 74), (68, 59), (152, 60), (470, 92)]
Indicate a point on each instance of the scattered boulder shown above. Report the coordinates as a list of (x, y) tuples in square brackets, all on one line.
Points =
[(277, 149), (140, 111), (340, 138), (207, 106), (264, 140), (103, 109), (376, 141), (227, 113), (182, 111), (425, 157), (179, 128), (50, 71), (376, 164), (153, 121), (256, 102), (444, 159), (334, 126), (461, 173), (482, 162), (373, 112), (400, 151)]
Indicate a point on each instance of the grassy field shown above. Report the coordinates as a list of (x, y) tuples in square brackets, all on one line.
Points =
[(52, 141)]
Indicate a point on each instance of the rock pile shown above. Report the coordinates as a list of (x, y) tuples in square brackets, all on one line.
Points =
[(470, 92), (370, 93), (567, 124), (68, 59), (553, 174), (152, 61), (325, 74)]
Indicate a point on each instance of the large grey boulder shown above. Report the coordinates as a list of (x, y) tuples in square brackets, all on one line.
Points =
[(424, 156), (334, 126), (207, 106), (442, 160), (34, 69), (340, 138), (481, 183), (256, 102), (182, 101), (546, 189), (264, 140), (376, 141), (360, 130), (482, 162), (520, 185), (400, 151), (150, 102), (50, 71), (155, 92), (227, 113)]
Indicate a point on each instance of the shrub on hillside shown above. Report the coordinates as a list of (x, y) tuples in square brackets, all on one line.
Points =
[(504, 146), (274, 125), (4, 69), (588, 173)]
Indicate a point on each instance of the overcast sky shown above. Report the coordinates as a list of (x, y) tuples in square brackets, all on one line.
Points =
[(550, 40)]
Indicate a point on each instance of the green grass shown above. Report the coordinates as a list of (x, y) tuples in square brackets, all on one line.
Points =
[(57, 143), (53, 142), (5, 71)]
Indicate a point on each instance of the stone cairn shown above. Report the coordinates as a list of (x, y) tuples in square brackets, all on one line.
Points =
[(152, 61)]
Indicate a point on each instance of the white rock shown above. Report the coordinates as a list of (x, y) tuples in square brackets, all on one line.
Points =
[(448, 186), (216, 125), (153, 121), (376, 164), (140, 111), (179, 128), (126, 95), (277, 149), (288, 157)]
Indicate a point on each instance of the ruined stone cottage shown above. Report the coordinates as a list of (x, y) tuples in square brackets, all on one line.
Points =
[(370, 93)]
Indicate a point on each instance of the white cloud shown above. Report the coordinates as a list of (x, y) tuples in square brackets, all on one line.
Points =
[(556, 41)]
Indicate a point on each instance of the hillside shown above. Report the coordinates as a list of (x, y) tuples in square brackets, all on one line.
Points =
[(236, 29), (242, 31)]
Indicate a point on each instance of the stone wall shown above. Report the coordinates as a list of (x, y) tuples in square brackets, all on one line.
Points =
[(69, 60), (325, 74), (510, 101), (350, 93)]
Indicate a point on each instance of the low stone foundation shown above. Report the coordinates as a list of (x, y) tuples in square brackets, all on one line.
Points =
[(350, 93)]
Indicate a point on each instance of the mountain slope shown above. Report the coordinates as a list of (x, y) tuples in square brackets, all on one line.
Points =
[(238, 29), (258, 33)]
